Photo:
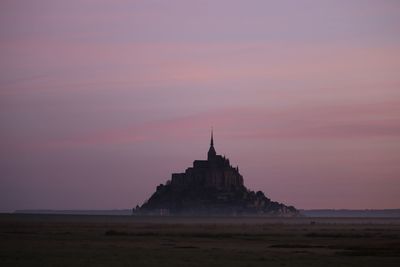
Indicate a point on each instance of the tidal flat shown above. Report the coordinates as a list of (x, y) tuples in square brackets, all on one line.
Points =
[(79, 240)]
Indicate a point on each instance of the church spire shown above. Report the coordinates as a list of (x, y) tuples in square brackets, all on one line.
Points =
[(211, 152), (212, 137)]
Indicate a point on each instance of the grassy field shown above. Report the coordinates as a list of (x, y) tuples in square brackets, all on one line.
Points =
[(67, 240)]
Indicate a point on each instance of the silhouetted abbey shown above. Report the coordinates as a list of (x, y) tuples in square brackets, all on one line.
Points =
[(211, 186)]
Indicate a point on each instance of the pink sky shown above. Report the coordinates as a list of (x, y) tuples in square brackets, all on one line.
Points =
[(100, 101)]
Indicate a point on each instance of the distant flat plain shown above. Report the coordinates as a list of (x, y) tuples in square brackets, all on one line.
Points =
[(83, 240)]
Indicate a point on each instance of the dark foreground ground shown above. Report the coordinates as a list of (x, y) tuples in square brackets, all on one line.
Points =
[(68, 240)]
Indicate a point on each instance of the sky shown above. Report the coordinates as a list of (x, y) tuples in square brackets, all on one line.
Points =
[(100, 101)]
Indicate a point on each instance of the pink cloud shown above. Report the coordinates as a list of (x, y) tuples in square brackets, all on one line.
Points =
[(187, 64), (333, 122)]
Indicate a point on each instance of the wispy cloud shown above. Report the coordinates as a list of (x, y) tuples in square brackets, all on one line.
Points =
[(332, 122)]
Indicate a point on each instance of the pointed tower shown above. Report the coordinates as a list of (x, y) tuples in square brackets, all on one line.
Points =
[(211, 152)]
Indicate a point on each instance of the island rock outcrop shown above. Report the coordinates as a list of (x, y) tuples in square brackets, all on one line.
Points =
[(211, 187)]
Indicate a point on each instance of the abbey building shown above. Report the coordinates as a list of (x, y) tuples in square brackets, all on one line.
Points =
[(215, 172)]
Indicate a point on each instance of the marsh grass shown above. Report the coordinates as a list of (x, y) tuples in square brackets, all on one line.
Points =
[(127, 241)]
